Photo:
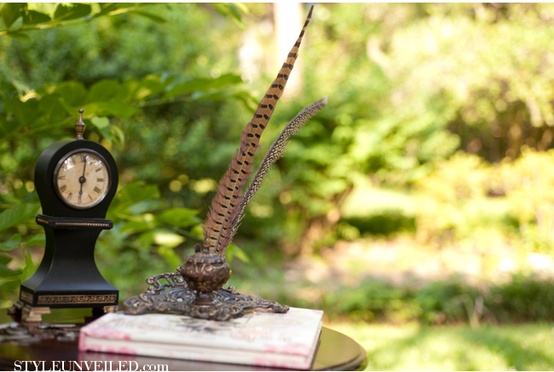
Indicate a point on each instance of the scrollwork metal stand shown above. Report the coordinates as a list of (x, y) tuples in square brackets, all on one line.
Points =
[(196, 290)]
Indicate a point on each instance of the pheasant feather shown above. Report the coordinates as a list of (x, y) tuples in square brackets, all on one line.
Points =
[(217, 227), (275, 152)]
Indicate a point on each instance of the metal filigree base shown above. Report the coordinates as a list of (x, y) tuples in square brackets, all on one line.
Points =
[(169, 293)]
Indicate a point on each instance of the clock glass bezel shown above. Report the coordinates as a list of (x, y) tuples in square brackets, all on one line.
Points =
[(57, 185)]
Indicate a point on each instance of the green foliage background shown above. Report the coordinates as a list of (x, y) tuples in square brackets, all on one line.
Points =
[(450, 105)]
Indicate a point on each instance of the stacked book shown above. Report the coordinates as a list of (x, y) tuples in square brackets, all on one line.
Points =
[(286, 340)]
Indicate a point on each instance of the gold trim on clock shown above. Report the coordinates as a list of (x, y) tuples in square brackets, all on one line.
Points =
[(76, 299)]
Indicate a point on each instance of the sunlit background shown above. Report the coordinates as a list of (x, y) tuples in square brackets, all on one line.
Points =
[(416, 209)]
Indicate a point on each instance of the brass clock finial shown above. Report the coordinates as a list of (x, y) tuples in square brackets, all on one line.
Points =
[(80, 126)]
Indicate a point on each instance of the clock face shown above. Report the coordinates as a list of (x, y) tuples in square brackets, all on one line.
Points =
[(82, 179)]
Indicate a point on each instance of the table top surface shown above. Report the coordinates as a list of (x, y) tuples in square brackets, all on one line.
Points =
[(56, 339)]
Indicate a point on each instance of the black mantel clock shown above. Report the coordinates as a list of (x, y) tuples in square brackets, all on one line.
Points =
[(76, 181)]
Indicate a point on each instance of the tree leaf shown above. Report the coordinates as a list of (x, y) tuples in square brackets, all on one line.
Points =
[(202, 85), (135, 198), (25, 112), (32, 17), (104, 90), (169, 255), (71, 11), (136, 226), (6, 272), (179, 217), (118, 136), (11, 12), (73, 92), (233, 11), (11, 244), (101, 123), (9, 127), (4, 260), (233, 251), (107, 8), (52, 109), (36, 240), (116, 108), (21, 35), (29, 268), (145, 206), (167, 238), (17, 214), (152, 17)]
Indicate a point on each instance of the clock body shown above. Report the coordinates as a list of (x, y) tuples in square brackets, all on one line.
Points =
[(76, 181)]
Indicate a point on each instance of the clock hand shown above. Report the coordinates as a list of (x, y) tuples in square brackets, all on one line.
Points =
[(82, 179)]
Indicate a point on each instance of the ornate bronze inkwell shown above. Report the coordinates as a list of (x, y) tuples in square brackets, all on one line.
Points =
[(196, 288)]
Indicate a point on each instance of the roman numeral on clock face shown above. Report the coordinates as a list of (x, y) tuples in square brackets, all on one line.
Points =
[(82, 179)]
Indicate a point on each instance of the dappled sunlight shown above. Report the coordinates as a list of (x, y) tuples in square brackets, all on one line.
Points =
[(413, 347)]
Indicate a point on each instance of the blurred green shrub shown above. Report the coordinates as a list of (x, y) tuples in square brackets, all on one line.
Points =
[(445, 301), (448, 301), (522, 299), (464, 196), (453, 199), (527, 183), (372, 300), (382, 223)]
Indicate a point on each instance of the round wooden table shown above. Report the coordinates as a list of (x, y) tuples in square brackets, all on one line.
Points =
[(45, 345)]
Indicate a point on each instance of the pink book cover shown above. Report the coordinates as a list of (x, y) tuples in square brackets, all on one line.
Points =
[(265, 339)]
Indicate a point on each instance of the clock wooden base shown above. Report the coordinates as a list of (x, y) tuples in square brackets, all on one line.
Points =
[(33, 303), (68, 275), (28, 314)]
